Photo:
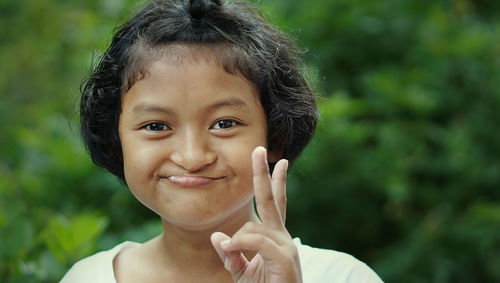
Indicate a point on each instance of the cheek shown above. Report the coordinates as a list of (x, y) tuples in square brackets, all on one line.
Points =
[(139, 160), (241, 162)]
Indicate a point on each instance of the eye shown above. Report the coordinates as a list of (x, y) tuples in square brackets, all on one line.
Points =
[(156, 127), (224, 124)]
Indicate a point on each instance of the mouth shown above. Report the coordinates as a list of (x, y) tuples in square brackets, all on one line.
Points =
[(191, 181)]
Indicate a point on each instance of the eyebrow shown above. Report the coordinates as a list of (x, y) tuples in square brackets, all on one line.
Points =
[(231, 102), (147, 107)]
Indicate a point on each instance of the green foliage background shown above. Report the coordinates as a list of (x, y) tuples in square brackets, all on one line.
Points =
[(404, 171)]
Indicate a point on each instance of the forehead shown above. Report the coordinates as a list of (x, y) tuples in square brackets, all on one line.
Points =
[(179, 53), (142, 57), (203, 75), (182, 83)]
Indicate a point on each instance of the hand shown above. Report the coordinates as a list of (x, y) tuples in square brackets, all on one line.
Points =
[(277, 258)]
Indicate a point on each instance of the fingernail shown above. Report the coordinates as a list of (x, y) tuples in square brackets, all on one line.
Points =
[(264, 152), (260, 147), (286, 165), (225, 244)]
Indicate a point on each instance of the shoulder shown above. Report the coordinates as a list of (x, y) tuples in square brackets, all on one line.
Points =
[(97, 268), (321, 265)]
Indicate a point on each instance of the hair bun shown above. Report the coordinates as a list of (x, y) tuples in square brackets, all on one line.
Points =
[(198, 8)]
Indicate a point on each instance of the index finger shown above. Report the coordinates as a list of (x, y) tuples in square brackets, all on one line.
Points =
[(264, 198)]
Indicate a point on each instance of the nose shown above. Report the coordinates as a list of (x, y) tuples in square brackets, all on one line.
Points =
[(192, 152)]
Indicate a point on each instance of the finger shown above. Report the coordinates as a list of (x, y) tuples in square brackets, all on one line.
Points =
[(280, 237), (264, 198), (234, 261), (216, 238), (278, 259), (278, 185), (253, 265), (265, 246)]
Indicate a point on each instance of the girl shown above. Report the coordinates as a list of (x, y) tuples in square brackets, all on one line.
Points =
[(191, 106)]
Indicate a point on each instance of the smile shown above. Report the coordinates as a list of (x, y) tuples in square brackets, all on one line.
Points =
[(191, 181)]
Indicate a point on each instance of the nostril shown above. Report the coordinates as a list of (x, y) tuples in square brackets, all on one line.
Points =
[(193, 161)]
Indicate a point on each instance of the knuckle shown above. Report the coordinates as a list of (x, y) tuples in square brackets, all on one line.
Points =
[(269, 198), (250, 226), (261, 171), (260, 239)]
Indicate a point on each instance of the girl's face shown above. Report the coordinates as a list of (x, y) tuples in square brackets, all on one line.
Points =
[(187, 132)]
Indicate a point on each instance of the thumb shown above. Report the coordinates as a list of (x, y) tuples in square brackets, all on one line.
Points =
[(234, 261)]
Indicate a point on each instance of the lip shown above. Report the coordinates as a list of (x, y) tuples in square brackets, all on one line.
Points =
[(191, 181)]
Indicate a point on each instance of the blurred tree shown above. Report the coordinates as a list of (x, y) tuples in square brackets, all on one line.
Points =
[(403, 172), (406, 163)]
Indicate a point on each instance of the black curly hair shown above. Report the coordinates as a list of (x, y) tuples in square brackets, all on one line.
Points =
[(239, 38)]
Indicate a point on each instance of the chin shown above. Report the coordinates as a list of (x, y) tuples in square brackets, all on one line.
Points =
[(195, 224), (221, 219)]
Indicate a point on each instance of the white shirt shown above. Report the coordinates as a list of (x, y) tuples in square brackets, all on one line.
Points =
[(318, 266)]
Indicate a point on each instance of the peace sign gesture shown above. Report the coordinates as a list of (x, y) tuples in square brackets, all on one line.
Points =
[(277, 257)]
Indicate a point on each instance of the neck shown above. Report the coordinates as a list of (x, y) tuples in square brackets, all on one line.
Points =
[(190, 252)]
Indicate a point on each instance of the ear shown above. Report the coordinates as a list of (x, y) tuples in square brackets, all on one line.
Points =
[(274, 155)]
